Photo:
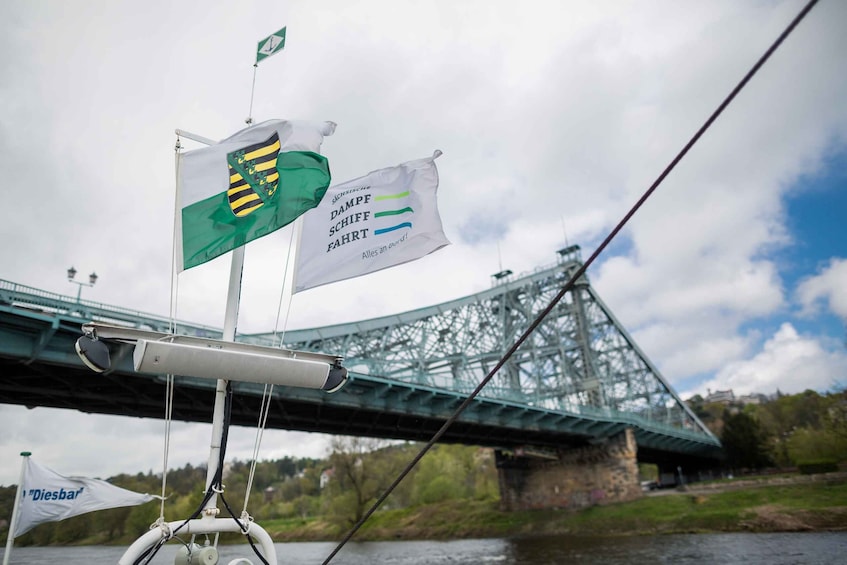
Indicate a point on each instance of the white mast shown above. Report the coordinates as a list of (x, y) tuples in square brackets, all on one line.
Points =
[(233, 298), (10, 539)]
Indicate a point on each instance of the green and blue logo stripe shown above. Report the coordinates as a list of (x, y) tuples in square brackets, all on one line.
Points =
[(400, 211)]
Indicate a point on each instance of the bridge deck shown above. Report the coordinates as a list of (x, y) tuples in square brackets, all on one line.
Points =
[(40, 368)]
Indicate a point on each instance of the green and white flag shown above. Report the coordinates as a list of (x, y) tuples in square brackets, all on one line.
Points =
[(270, 45), (385, 218), (247, 186)]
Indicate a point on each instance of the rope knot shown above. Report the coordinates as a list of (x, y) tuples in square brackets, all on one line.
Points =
[(246, 522)]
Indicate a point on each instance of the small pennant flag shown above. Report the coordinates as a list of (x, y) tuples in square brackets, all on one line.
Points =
[(270, 45), (47, 496)]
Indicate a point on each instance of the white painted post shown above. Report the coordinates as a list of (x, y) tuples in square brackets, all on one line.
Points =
[(10, 539)]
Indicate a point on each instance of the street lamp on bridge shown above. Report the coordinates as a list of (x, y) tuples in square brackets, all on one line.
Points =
[(92, 278)]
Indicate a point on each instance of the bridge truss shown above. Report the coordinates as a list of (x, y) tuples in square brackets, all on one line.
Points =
[(577, 379), (579, 360)]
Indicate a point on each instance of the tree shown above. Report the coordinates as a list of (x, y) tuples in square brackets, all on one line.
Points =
[(744, 441), (363, 470), (835, 414), (441, 476), (710, 413), (141, 517), (455, 472), (783, 416), (807, 445)]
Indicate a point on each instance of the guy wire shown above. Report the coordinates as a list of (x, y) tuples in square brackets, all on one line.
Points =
[(579, 272)]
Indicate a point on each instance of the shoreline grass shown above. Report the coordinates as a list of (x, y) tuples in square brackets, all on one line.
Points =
[(776, 508), (754, 507)]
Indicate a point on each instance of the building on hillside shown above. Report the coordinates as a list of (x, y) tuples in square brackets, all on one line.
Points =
[(753, 398), (720, 396), (326, 476)]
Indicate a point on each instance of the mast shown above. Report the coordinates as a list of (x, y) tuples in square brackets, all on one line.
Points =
[(10, 538), (233, 299)]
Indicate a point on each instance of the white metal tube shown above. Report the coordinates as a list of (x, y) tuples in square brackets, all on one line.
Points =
[(209, 363), (202, 526), (233, 296), (195, 137), (10, 539), (230, 321)]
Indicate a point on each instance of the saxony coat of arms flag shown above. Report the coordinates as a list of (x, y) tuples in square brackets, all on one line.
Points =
[(247, 186)]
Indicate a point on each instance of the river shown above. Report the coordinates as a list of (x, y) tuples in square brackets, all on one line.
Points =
[(751, 549)]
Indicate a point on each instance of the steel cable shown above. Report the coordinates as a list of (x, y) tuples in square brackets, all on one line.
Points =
[(579, 272)]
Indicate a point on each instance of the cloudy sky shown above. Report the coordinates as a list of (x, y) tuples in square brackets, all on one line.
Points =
[(553, 117)]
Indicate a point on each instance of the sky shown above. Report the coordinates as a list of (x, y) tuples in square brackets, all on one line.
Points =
[(553, 118)]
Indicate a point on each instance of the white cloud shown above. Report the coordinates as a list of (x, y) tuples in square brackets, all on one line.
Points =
[(553, 118), (829, 287), (694, 348), (788, 361), (93, 445)]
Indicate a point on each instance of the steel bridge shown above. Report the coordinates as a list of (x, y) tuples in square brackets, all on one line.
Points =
[(578, 380)]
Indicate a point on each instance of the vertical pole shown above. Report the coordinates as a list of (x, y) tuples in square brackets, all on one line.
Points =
[(233, 298), (10, 539)]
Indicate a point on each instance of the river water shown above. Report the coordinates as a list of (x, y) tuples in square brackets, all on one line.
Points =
[(753, 549)]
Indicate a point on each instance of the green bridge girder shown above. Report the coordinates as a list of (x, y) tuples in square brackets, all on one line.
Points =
[(578, 379), (580, 361)]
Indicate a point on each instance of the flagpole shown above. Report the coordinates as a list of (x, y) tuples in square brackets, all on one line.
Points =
[(10, 539), (233, 299), (268, 46)]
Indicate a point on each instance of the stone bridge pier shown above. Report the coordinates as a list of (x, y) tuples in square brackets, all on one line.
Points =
[(586, 476)]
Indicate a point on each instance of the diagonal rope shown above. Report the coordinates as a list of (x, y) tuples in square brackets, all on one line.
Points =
[(267, 393), (174, 298), (267, 396), (277, 336), (169, 406), (169, 379), (579, 272), (249, 119)]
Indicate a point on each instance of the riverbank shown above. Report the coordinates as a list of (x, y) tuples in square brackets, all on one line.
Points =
[(786, 503), (775, 504)]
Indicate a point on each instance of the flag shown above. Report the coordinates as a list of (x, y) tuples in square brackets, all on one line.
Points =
[(248, 185), (270, 45), (380, 220), (47, 496)]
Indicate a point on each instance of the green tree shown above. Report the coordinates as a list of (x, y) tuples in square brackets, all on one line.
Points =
[(111, 523), (454, 471), (710, 413), (72, 529), (310, 482), (834, 417), (781, 417), (141, 517), (744, 442), (807, 445), (363, 469)]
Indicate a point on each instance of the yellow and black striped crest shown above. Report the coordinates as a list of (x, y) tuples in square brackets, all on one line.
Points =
[(253, 176)]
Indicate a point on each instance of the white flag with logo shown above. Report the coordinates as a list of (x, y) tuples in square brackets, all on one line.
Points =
[(47, 496), (385, 218)]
